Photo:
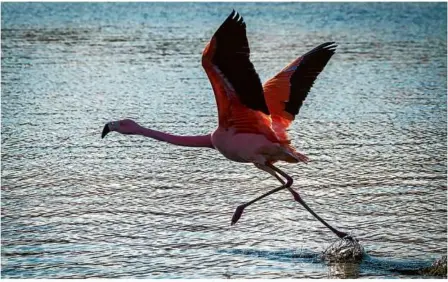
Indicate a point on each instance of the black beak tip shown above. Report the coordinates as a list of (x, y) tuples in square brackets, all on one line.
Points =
[(105, 131)]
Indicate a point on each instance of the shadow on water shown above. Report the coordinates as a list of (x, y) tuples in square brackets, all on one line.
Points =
[(369, 265)]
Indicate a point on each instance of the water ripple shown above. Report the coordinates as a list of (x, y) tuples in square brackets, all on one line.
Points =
[(76, 206)]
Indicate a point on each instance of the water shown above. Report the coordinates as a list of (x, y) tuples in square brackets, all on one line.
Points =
[(76, 206)]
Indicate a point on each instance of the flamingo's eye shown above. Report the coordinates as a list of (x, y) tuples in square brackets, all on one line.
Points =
[(114, 125)]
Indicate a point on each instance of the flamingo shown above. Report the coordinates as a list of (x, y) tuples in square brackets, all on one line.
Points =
[(252, 118)]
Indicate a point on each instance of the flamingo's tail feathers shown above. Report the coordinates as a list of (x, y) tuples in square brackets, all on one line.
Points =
[(302, 157), (295, 157)]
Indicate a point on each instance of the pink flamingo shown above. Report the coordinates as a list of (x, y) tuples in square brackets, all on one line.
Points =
[(252, 118)]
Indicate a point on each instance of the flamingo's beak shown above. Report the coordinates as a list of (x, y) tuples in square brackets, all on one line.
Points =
[(105, 131)]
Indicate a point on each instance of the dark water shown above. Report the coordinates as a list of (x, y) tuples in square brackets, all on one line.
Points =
[(73, 205)]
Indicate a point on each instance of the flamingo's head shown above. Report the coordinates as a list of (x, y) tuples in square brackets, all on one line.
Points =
[(125, 126)]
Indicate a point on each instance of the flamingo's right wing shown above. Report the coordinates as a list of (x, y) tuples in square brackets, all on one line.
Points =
[(286, 91), (237, 87)]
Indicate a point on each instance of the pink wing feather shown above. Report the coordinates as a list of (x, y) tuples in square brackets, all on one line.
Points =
[(286, 91)]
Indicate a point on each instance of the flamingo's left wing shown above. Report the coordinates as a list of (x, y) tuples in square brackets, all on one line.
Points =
[(286, 91), (237, 87)]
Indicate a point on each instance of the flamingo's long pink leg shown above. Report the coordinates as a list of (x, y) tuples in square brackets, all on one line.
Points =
[(239, 210), (273, 171), (302, 202)]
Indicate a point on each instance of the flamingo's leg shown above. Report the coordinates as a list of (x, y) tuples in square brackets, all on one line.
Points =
[(239, 210), (271, 172), (297, 197)]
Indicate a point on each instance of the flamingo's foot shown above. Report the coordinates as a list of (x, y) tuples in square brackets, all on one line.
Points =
[(237, 214), (340, 234), (345, 236)]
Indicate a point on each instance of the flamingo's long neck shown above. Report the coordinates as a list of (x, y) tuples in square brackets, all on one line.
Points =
[(189, 141)]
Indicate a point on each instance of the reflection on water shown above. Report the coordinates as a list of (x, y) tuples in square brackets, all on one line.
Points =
[(76, 206), (299, 258), (343, 270)]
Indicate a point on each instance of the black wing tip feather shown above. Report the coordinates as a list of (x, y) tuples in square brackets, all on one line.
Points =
[(232, 57), (329, 47), (233, 22), (231, 16), (306, 73), (234, 18)]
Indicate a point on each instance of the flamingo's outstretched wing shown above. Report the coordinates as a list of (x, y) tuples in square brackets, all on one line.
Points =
[(286, 91), (237, 87)]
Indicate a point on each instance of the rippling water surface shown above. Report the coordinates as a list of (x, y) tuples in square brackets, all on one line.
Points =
[(73, 205)]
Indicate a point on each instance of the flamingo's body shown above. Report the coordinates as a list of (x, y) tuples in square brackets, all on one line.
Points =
[(253, 118), (250, 147)]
